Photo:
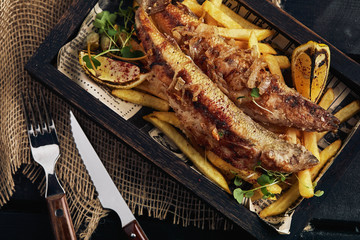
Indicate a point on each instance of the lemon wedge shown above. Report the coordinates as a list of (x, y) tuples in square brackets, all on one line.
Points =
[(111, 72), (310, 63)]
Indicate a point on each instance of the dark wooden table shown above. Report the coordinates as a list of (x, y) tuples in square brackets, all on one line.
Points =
[(338, 21)]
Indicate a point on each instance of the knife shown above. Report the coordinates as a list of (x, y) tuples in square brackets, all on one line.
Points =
[(108, 193)]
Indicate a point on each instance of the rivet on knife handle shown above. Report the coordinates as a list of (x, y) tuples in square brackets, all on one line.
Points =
[(134, 231), (60, 217)]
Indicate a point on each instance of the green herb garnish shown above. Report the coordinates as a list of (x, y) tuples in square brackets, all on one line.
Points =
[(265, 180), (119, 35), (255, 93), (86, 59)]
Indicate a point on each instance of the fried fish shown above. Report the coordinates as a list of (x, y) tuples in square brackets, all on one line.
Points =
[(208, 116), (238, 71)]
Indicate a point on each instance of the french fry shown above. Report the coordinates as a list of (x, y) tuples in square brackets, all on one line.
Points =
[(217, 3), (325, 155), (141, 99), (210, 20), (290, 196), (306, 188), (344, 114), (253, 43), (283, 203), (219, 15), (327, 99), (348, 111), (310, 143), (237, 18), (244, 34), (199, 161), (265, 48), (305, 183), (168, 117), (194, 6), (283, 61), (274, 66)]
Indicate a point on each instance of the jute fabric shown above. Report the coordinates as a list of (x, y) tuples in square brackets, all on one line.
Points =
[(24, 24)]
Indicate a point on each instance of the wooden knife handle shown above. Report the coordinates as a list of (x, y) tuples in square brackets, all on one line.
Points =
[(60, 217), (134, 232)]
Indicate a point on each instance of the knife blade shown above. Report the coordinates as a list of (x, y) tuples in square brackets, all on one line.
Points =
[(108, 193)]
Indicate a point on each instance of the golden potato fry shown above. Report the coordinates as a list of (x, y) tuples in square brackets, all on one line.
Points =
[(237, 18), (325, 155), (219, 16), (194, 6), (283, 203), (348, 111), (274, 66), (291, 195), (168, 117), (217, 3), (210, 20), (306, 188), (344, 114), (199, 161), (244, 34), (283, 61), (310, 143), (253, 43), (305, 183), (327, 99), (265, 48), (141, 99)]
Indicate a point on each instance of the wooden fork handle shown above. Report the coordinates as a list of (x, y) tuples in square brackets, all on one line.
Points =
[(60, 217)]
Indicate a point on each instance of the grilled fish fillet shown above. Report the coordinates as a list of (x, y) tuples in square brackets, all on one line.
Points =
[(208, 116), (237, 71)]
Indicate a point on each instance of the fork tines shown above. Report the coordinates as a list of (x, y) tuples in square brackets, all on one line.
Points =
[(37, 117)]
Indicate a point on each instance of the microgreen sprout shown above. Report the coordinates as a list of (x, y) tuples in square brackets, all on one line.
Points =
[(119, 36), (265, 180)]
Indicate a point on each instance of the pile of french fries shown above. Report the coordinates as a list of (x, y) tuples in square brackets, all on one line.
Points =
[(246, 35)]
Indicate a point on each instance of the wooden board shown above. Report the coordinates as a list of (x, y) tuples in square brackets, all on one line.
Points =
[(42, 68)]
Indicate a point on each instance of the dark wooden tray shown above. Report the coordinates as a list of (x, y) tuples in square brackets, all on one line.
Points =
[(41, 66)]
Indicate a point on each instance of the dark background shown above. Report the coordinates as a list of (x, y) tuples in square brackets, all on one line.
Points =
[(338, 217)]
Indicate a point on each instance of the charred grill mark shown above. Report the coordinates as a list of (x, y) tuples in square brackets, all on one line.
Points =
[(292, 101)]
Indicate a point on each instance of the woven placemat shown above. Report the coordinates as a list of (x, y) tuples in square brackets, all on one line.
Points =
[(23, 26)]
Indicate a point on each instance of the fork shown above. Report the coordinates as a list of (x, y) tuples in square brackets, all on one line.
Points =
[(45, 150)]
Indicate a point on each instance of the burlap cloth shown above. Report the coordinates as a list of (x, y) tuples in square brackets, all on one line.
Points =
[(24, 24)]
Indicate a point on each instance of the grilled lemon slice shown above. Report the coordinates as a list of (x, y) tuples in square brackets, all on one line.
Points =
[(113, 73), (310, 63)]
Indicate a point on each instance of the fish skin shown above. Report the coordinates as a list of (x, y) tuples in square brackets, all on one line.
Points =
[(280, 105), (209, 117)]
